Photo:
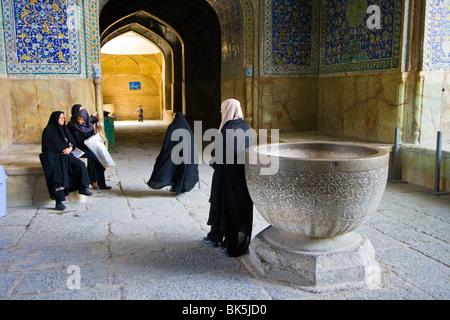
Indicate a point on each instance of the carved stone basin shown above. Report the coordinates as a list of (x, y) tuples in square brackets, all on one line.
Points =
[(321, 189), (314, 194)]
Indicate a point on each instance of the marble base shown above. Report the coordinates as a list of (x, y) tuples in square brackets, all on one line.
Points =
[(339, 263)]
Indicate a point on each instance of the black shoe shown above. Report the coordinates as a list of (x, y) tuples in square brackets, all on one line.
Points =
[(85, 192), (223, 249), (105, 187), (60, 206), (210, 243)]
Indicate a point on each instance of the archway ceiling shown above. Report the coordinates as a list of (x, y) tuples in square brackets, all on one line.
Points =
[(177, 14), (187, 18), (143, 23), (158, 40), (150, 35), (222, 8)]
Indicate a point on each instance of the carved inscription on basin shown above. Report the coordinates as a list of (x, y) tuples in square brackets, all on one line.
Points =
[(320, 190)]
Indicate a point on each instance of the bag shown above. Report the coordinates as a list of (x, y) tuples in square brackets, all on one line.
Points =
[(96, 145)]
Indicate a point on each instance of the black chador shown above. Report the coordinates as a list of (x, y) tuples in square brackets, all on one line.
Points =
[(231, 210), (64, 172), (181, 175), (81, 131)]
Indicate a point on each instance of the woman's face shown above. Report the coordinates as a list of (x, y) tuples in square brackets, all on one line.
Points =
[(61, 119), (80, 120)]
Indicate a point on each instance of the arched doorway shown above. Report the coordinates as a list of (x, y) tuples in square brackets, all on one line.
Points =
[(191, 29), (133, 75)]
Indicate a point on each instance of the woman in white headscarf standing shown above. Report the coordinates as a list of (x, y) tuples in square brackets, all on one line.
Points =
[(231, 209)]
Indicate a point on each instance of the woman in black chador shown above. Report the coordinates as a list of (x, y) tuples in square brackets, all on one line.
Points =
[(81, 128), (231, 210), (182, 176), (63, 172)]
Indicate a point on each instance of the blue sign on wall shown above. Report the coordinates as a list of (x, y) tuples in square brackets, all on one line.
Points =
[(135, 85)]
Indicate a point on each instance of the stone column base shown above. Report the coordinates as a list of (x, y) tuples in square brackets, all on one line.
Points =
[(325, 265)]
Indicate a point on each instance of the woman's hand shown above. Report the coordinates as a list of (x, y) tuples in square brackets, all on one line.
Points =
[(67, 151)]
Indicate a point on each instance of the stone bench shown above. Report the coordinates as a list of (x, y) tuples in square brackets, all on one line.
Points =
[(25, 185)]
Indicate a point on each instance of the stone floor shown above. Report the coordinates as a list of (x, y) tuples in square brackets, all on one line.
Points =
[(133, 242)]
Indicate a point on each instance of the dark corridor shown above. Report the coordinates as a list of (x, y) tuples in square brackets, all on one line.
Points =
[(198, 26)]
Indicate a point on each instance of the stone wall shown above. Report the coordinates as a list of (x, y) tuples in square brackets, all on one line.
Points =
[(147, 70), (5, 116), (45, 66), (32, 101), (436, 105), (364, 106), (289, 104), (360, 69)]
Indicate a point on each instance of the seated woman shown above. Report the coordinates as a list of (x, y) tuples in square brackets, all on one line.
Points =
[(76, 109), (81, 128), (63, 172)]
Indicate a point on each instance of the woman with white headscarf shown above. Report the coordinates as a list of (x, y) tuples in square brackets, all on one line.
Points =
[(231, 210)]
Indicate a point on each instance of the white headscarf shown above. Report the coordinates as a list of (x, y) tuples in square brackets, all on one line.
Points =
[(231, 109)]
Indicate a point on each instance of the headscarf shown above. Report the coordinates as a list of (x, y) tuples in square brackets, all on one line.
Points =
[(55, 138), (231, 109), (87, 126), (75, 111)]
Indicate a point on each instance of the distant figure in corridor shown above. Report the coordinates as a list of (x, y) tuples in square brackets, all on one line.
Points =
[(181, 177), (231, 209), (140, 113), (63, 172), (81, 128)]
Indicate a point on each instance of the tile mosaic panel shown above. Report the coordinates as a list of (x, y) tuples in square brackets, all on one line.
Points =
[(43, 37), (2, 47), (351, 43), (290, 41), (436, 54), (248, 30), (231, 17), (94, 38)]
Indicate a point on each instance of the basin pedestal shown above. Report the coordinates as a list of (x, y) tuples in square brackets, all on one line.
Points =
[(318, 194), (324, 265)]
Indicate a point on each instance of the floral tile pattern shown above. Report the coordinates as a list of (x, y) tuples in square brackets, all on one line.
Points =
[(437, 36), (44, 38), (351, 44), (291, 31)]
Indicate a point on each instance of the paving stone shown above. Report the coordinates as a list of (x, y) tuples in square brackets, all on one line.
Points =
[(10, 235), (58, 279), (6, 282), (133, 242), (214, 287)]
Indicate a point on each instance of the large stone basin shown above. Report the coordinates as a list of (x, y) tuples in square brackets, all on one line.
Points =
[(314, 194), (321, 189)]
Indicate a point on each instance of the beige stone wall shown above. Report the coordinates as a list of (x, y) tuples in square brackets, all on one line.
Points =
[(288, 104), (5, 116), (418, 167), (284, 103), (30, 103), (234, 88), (435, 105), (364, 106), (119, 70)]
